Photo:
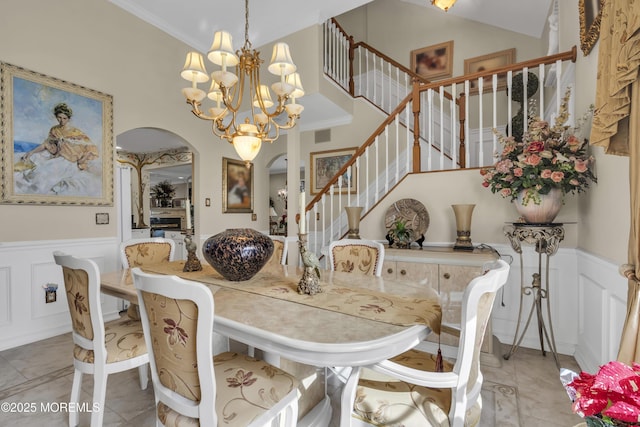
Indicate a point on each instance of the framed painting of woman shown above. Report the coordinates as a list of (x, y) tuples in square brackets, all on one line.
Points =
[(57, 141)]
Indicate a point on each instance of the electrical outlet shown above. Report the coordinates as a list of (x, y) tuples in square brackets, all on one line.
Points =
[(254, 217)]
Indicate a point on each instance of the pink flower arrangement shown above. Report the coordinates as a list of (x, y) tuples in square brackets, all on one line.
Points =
[(547, 157), (609, 398)]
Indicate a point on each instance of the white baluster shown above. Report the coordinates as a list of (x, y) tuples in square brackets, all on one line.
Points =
[(466, 121), (441, 93), (480, 135), (386, 154), (366, 181), (316, 249), (331, 218), (324, 222), (358, 181), (407, 135), (509, 92), (366, 56), (452, 127), (339, 206), (376, 174), (525, 99), (559, 90), (495, 114), (541, 78), (430, 102)]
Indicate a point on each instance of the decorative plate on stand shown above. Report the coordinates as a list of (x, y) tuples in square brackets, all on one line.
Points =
[(412, 212)]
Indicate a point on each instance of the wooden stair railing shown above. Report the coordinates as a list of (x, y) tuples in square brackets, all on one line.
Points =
[(417, 132)]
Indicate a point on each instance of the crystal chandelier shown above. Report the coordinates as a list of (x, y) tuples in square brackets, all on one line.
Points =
[(227, 90)]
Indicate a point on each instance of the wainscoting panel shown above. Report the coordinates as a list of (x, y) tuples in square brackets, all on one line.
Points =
[(25, 268), (5, 295), (602, 292)]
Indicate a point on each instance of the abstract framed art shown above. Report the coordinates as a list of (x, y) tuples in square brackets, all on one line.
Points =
[(46, 159), (489, 62), (433, 62)]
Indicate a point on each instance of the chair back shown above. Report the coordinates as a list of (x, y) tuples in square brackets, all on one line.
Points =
[(280, 250), (477, 304), (82, 287), (177, 316), (151, 250), (356, 256)]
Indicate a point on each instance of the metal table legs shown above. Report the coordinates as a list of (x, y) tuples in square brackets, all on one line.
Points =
[(546, 239)]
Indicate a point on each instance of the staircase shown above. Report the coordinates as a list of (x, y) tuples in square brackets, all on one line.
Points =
[(427, 127)]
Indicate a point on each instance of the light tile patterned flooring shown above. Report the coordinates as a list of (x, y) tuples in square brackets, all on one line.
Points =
[(524, 392)]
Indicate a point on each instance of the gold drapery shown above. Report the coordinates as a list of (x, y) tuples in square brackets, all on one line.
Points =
[(615, 127)]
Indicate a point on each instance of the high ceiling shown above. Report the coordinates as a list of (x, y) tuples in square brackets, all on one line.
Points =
[(194, 22)]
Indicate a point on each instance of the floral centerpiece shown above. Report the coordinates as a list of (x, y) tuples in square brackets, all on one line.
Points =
[(548, 157), (609, 398)]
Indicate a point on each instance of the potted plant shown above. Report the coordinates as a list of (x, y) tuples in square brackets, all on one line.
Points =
[(400, 234), (163, 193)]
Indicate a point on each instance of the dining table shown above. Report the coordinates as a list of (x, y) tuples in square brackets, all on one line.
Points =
[(356, 320)]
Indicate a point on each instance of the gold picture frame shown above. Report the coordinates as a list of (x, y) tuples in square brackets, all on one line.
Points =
[(46, 159), (433, 62), (489, 62), (590, 12), (237, 186), (325, 165)]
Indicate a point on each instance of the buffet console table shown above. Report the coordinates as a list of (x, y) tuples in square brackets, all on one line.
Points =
[(546, 240), (355, 321)]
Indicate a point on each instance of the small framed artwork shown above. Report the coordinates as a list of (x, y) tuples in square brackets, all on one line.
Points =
[(237, 186), (590, 12), (489, 62), (56, 141), (433, 62), (326, 164)]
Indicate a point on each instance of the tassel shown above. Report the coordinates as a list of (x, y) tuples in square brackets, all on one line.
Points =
[(439, 364)]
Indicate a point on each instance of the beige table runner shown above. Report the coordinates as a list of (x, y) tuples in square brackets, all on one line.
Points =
[(342, 298)]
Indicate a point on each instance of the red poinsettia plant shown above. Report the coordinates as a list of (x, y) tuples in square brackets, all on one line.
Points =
[(609, 398)]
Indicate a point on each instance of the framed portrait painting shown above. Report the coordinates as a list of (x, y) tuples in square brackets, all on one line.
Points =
[(56, 141), (590, 12), (433, 62), (489, 62), (237, 186), (326, 164)]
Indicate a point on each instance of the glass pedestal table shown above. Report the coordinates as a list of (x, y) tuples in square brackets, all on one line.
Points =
[(546, 239)]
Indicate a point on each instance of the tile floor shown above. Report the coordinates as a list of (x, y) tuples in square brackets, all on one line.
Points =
[(524, 392)]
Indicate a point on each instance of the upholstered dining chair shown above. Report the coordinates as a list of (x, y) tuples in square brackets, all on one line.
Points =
[(356, 256), (280, 250), (146, 251), (151, 250), (407, 390), (100, 348), (192, 387)]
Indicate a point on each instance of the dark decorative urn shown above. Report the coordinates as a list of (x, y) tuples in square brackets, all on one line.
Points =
[(238, 253)]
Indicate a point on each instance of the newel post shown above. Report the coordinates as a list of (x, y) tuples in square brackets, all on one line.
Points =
[(415, 101), (462, 151)]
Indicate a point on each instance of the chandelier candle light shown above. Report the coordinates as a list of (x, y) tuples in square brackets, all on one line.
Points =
[(227, 90)]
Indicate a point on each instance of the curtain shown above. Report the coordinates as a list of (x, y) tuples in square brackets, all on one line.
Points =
[(617, 100)]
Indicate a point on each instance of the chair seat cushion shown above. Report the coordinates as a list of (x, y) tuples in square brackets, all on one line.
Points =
[(124, 339), (382, 400), (246, 389)]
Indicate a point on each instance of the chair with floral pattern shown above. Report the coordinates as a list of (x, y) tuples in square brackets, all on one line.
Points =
[(280, 250), (146, 251), (408, 390), (192, 387), (356, 256), (100, 348), (151, 250)]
